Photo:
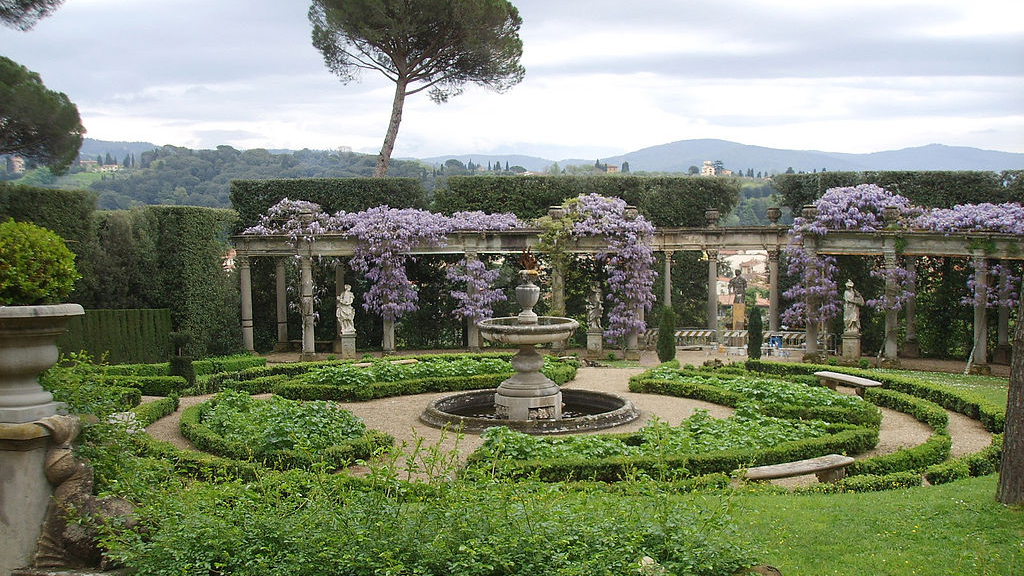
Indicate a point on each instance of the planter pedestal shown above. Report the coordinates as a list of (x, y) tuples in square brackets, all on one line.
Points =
[(28, 346)]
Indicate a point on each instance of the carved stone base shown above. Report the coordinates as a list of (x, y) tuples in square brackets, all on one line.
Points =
[(345, 345), (851, 346), (529, 408), (595, 345), (1001, 355), (911, 349)]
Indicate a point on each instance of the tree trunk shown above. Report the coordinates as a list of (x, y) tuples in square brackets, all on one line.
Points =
[(1011, 472), (389, 139)]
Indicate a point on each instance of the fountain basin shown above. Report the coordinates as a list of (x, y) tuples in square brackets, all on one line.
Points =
[(508, 330), (582, 410)]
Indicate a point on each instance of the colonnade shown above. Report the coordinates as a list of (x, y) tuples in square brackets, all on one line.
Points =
[(710, 241)]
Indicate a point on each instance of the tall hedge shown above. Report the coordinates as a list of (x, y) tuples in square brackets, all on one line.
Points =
[(664, 200), (252, 198), (66, 212), (934, 189), (190, 243), (125, 336)]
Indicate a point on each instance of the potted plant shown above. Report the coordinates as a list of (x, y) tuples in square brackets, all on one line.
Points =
[(37, 271)]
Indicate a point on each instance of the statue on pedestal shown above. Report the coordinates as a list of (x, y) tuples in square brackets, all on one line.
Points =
[(594, 308), (852, 301), (345, 312), (738, 287)]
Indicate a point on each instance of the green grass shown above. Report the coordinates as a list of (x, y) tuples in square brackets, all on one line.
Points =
[(991, 388), (956, 528)]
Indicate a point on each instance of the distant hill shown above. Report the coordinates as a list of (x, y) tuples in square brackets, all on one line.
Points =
[(679, 156)]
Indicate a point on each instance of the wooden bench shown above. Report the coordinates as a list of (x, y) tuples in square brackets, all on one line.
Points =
[(831, 379), (828, 468)]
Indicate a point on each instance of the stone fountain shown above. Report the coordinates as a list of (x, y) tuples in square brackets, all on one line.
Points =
[(529, 401)]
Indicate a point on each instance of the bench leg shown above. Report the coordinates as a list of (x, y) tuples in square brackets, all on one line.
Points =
[(834, 475), (831, 385)]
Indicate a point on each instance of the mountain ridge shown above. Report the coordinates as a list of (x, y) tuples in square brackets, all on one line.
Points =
[(680, 155)]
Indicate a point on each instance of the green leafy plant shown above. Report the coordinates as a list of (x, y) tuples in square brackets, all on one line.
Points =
[(666, 335), (36, 266)]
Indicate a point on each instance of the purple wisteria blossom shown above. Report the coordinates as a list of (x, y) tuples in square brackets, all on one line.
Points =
[(476, 302), (845, 208), (1001, 290), (628, 260), (1007, 218), (901, 279), (287, 217)]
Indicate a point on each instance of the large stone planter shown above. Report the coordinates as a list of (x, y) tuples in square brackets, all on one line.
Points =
[(28, 346)]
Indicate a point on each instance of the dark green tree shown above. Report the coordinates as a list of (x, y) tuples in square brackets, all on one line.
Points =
[(667, 335), (755, 333), (435, 45), (625, 167), (23, 14), (36, 123)]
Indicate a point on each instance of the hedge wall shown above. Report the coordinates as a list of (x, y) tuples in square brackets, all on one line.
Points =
[(125, 336), (664, 200), (252, 198), (66, 212), (934, 189)]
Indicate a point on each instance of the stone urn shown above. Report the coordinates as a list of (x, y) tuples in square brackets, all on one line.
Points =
[(28, 346)]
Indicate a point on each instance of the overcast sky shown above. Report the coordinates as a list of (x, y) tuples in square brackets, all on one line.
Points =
[(602, 77)]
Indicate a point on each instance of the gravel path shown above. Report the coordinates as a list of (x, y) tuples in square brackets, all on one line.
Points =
[(399, 417)]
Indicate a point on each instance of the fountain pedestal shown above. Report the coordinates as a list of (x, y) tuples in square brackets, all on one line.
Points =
[(528, 395)]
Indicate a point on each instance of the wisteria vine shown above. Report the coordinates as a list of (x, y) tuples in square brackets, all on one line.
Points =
[(385, 237), (862, 208), (628, 259)]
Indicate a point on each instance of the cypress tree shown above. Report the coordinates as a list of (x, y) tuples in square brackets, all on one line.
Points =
[(755, 333), (667, 335)]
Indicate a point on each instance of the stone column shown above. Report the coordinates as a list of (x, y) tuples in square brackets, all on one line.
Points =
[(813, 303), (388, 343), (980, 352), (472, 332), (713, 292), (245, 289), (1001, 355), (911, 349), (667, 278), (891, 315), (773, 290), (281, 293), (306, 305)]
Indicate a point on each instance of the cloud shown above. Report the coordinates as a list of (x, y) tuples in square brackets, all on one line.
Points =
[(603, 77)]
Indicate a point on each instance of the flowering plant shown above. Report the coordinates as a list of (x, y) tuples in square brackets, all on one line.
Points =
[(627, 258), (476, 301)]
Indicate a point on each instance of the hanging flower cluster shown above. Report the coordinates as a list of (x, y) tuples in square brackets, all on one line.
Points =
[(385, 237), (902, 280), (287, 217), (476, 302), (628, 259), (1007, 218), (846, 208), (1002, 292)]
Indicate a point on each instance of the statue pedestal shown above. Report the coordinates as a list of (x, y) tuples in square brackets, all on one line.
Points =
[(595, 344), (739, 311), (345, 345), (851, 346), (28, 492)]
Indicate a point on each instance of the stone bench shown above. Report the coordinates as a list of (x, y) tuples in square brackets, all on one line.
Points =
[(831, 379), (828, 468)]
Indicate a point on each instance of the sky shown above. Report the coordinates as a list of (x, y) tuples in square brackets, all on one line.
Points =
[(602, 77)]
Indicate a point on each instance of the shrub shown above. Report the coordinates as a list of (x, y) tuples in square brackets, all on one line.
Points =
[(667, 335), (755, 334), (36, 266)]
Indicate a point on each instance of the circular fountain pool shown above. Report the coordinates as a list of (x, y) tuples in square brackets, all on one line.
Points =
[(581, 410)]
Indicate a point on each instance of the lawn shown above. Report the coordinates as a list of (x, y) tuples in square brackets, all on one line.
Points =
[(956, 528)]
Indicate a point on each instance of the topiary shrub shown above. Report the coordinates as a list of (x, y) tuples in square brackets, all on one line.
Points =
[(667, 335), (181, 365), (755, 334), (36, 266)]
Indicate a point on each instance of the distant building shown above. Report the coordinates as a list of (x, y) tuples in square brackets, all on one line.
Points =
[(111, 168), (89, 165), (611, 169), (708, 169), (15, 164)]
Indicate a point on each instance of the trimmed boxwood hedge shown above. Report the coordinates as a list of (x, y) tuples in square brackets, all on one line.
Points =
[(914, 459), (146, 414), (849, 440), (981, 463), (991, 415), (337, 456)]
